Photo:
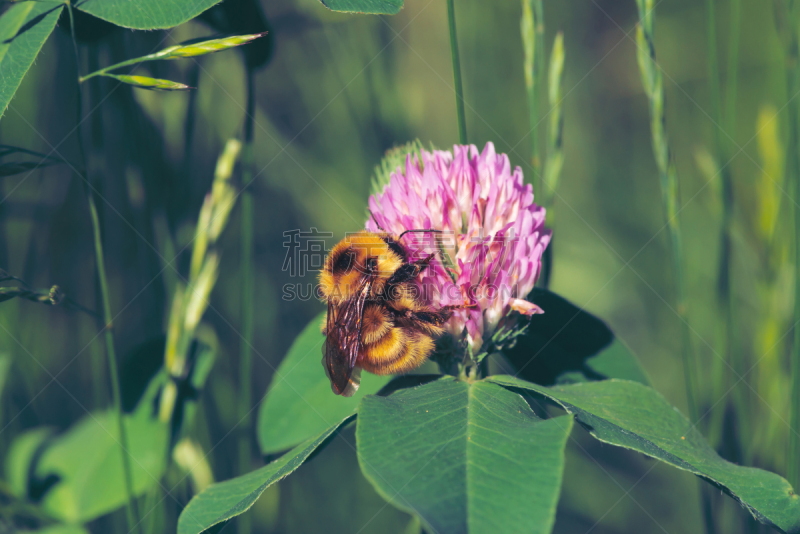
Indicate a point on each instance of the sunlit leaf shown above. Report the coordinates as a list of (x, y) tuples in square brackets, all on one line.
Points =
[(24, 28), (566, 344), (376, 7), (634, 416), (222, 501), (300, 403), (464, 457), (145, 14), (88, 462)]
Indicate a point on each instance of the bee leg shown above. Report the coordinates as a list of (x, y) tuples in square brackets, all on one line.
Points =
[(447, 311), (409, 271), (420, 265), (423, 264), (453, 307)]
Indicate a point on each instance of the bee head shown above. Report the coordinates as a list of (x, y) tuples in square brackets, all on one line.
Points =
[(357, 256)]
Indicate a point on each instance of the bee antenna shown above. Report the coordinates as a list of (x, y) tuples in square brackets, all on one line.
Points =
[(372, 216), (419, 231)]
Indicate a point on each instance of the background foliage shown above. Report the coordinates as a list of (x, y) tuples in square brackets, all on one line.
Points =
[(338, 91)]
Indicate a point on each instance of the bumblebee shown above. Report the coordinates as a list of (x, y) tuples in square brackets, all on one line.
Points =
[(376, 318)]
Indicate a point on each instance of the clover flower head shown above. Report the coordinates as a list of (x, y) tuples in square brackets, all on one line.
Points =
[(492, 235)]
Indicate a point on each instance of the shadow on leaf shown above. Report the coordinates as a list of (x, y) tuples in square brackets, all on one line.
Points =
[(567, 344), (31, 23)]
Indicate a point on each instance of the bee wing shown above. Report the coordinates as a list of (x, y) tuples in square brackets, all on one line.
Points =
[(344, 340)]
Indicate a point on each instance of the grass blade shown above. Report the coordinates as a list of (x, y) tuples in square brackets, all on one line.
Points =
[(153, 84)]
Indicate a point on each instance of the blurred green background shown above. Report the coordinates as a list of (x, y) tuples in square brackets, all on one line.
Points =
[(338, 92)]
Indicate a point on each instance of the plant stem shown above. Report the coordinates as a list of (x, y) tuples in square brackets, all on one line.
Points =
[(723, 263), (731, 354), (179, 51), (654, 89), (686, 340), (532, 29), (132, 514), (723, 365), (462, 121), (112, 365), (99, 371), (247, 279), (538, 73), (555, 132), (733, 65), (105, 70), (128, 62), (793, 467)]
